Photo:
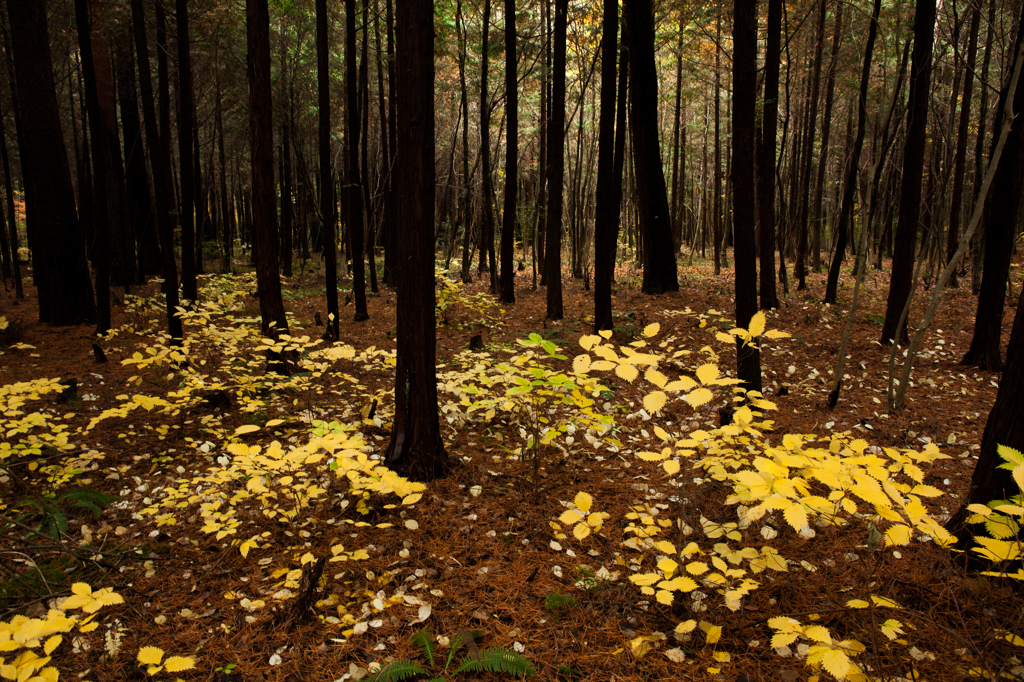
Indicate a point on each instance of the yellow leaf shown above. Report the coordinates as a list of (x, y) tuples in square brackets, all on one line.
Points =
[(176, 664), (757, 325), (644, 579), (588, 340), (818, 633), (884, 602), (581, 364), (781, 639), (627, 372), (150, 655), (857, 604), (686, 626), (247, 428), (52, 643), (654, 456), (602, 365), (570, 516), (897, 534), (776, 334), (583, 501), (671, 467), (269, 424), (661, 433), (654, 401), (707, 373), (712, 633), (699, 397), (605, 334), (723, 337), (581, 531), (836, 663), (664, 597), (1018, 475), (667, 566), (655, 377), (796, 516), (412, 499), (651, 329), (665, 547)]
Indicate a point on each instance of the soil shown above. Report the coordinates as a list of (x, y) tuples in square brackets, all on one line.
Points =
[(481, 552)]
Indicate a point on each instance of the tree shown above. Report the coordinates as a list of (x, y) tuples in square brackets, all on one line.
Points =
[(1005, 426), (508, 222), (261, 137), (913, 170), (161, 164), (186, 169), (60, 269), (744, 88), (324, 146), (487, 205), (655, 218), (556, 167), (766, 161), (1001, 227), (415, 449), (609, 187), (355, 192)]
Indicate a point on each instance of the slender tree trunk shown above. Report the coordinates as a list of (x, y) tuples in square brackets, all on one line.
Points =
[(744, 87), (509, 214), (355, 192), (853, 167), (556, 167), (287, 211), (609, 188), (963, 133), (186, 169), (12, 218), (487, 205), (766, 162), (717, 181), (326, 179), (826, 128), (913, 167), (805, 191)]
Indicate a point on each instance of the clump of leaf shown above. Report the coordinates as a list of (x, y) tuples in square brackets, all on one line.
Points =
[(48, 516)]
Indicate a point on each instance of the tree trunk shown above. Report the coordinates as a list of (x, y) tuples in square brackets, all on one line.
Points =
[(415, 449), (652, 199), (186, 169), (826, 128), (509, 214), (744, 88), (913, 168), (556, 167), (805, 191), (766, 162), (326, 177), (853, 165), (609, 187), (1001, 220), (261, 135), (355, 192), (487, 204), (58, 254)]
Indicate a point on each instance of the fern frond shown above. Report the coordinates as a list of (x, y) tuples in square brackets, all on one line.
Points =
[(424, 639), (497, 660), (397, 670)]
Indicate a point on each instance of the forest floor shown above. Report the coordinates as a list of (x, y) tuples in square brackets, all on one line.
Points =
[(483, 548)]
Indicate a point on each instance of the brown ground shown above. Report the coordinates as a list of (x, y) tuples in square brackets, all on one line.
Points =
[(484, 561)]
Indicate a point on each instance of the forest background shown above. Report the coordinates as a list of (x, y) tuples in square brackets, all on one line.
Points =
[(396, 153)]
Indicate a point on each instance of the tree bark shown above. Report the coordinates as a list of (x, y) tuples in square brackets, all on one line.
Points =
[(913, 169), (509, 214), (609, 187), (186, 170), (326, 177), (963, 133), (261, 135), (766, 162), (556, 167), (744, 88), (826, 128), (415, 449), (58, 250), (355, 192)]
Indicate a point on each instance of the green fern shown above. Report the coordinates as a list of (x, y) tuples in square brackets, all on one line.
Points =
[(457, 642), (497, 660), (397, 670), (424, 639)]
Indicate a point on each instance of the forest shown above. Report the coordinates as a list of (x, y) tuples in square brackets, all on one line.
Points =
[(481, 339)]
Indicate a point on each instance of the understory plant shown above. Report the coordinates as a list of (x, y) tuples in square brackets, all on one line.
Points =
[(474, 660)]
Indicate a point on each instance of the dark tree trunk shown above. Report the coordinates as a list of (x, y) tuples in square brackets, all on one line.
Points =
[(556, 167), (609, 187), (487, 204), (766, 162), (58, 250), (655, 219), (744, 88), (326, 180), (261, 135), (12, 218), (355, 192), (460, 25), (415, 449), (103, 173), (805, 192), (186, 165), (225, 207), (717, 186), (286, 201), (1002, 216), (1005, 426), (963, 133), (853, 165), (140, 202), (509, 214), (160, 161), (826, 128), (913, 169), (677, 130)]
